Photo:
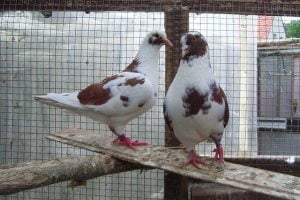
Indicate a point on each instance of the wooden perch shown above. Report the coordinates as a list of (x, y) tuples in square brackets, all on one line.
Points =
[(172, 160), (24, 176)]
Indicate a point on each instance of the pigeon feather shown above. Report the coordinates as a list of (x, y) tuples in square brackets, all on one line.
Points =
[(196, 107), (118, 99)]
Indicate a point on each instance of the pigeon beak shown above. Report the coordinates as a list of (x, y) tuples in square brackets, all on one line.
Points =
[(184, 50), (168, 42)]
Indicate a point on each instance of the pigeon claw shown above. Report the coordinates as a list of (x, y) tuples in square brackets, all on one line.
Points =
[(123, 140), (194, 160), (219, 154)]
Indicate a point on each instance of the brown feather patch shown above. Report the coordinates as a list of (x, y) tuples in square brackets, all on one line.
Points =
[(197, 46), (218, 95), (167, 119), (132, 67), (141, 104), (157, 41), (193, 101), (125, 100), (226, 113), (95, 94), (134, 81)]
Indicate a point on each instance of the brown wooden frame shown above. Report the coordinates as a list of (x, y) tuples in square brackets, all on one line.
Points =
[(245, 7)]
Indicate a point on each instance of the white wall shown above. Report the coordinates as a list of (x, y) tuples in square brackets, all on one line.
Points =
[(277, 30)]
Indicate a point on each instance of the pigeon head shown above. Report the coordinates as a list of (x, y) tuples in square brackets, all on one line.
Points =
[(193, 45), (158, 38)]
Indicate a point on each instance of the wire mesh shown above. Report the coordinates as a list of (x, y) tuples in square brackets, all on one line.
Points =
[(255, 63), (61, 54)]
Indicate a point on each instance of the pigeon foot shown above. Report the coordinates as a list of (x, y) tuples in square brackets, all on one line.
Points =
[(219, 154), (122, 139), (194, 160)]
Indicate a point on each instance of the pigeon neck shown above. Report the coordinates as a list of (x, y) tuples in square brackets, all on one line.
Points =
[(194, 67), (200, 63), (204, 58), (148, 54), (147, 57), (197, 71)]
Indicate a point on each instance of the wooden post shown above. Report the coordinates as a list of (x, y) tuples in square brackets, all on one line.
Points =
[(176, 23)]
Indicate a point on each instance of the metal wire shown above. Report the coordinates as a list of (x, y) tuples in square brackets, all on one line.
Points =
[(69, 50), (65, 53)]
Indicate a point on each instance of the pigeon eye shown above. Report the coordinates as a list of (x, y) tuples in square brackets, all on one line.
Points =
[(156, 35)]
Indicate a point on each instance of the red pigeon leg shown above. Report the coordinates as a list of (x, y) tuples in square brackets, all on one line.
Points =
[(219, 153), (122, 139), (194, 160)]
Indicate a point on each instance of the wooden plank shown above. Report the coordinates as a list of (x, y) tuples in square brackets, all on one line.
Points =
[(24, 176), (244, 7), (172, 160)]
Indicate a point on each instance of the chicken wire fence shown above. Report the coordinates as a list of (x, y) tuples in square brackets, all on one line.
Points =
[(255, 62)]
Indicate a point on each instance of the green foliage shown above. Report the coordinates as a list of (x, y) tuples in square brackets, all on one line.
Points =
[(293, 29)]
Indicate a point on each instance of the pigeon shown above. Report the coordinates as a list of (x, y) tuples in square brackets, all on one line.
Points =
[(118, 99), (195, 106)]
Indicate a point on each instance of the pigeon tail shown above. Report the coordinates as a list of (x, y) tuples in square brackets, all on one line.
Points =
[(63, 100)]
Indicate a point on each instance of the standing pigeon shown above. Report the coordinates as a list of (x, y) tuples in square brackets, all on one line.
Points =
[(118, 99), (195, 107)]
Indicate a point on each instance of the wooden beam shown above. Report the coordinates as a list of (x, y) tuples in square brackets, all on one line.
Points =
[(172, 160), (272, 164), (24, 176), (84, 5), (247, 7), (206, 190), (277, 44), (214, 191), (243, 7), (176, 23)]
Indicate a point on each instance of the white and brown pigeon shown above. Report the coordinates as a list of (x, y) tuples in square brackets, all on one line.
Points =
[(120, 98), (195, 106)]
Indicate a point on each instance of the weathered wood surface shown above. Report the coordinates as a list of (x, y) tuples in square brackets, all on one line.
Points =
[(172, 160), (244, 7), (23, 176)]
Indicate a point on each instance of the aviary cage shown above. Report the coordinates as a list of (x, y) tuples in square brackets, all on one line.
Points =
[(61, 46)]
